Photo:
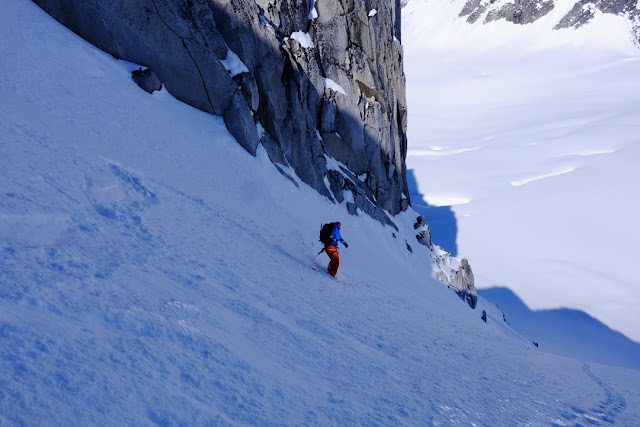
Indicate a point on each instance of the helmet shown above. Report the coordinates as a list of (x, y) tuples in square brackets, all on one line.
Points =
[(338, 224)]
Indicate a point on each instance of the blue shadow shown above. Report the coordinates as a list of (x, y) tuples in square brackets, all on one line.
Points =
[(566, 332), (441, 219)]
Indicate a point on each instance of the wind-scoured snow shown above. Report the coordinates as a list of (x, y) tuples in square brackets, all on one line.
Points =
[(539, 177), (154, 273), (331, 84), (234, 64), (441, 151), (554, 116), (303, 38)]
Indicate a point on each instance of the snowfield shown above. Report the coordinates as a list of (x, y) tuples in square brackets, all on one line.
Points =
[(154, 273), (532, 137)]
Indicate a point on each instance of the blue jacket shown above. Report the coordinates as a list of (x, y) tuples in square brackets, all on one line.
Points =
[(336, 237)]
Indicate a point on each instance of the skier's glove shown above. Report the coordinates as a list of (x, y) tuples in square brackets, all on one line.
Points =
[(346, 245)]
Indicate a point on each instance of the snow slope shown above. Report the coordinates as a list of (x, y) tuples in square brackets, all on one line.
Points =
[(566, 332), (154, 273), (531, 136)]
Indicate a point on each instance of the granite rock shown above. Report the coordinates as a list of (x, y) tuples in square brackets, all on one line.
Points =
[(312, 85)]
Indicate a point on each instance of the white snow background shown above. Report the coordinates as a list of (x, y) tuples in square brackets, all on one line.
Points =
[(154, 273), (532, 136)]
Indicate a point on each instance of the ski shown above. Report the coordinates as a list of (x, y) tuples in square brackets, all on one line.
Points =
[(326, 273)]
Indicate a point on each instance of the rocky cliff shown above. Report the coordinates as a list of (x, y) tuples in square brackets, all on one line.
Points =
[(319, 85)]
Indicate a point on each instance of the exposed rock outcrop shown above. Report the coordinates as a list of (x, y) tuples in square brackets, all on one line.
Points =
[(457, 274), (464, 283), (453, 271), (518, 12), (424, 233), (317, 84), (521, 11), (584, 11), (147, 80)]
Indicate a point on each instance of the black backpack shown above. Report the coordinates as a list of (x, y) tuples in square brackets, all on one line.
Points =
[(325, 233)]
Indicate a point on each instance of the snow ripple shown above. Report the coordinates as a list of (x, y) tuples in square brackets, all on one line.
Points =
[(440, 151), (539, 177)]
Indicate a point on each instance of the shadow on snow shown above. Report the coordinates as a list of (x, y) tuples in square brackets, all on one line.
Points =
[(441, 219), (565, 331)]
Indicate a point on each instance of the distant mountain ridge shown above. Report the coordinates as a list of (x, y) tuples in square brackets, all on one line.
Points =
[(566, 332), (524, 12)]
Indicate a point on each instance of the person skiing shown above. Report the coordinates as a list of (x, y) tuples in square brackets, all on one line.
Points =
[(331, 249)]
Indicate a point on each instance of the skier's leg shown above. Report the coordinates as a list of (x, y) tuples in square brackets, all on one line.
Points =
[(335, 260)]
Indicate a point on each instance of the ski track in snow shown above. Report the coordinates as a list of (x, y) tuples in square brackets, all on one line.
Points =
[(605, 412), (608, 409)]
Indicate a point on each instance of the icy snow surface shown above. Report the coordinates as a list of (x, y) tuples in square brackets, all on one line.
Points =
[(154, 273), (538, 131)]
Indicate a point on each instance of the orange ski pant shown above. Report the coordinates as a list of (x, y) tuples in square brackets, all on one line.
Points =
[(332, 251)]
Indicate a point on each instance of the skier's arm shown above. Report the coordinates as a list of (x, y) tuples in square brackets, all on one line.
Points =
[(338, 238)]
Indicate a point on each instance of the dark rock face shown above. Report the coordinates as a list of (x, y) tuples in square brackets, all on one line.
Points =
[(518, 12), (474, 9), (304, 82), (424, 232), (584, 10), (147, 80), (521, 11)]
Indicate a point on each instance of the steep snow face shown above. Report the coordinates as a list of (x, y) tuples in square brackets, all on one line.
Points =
[(530, 134), (153, 272)]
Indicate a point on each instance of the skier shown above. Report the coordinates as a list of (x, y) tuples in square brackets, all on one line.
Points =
[(331, 249)]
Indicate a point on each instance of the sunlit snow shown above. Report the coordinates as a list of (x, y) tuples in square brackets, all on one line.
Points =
[(303, 38), (330, 84), (233, 64), (553, 211)]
